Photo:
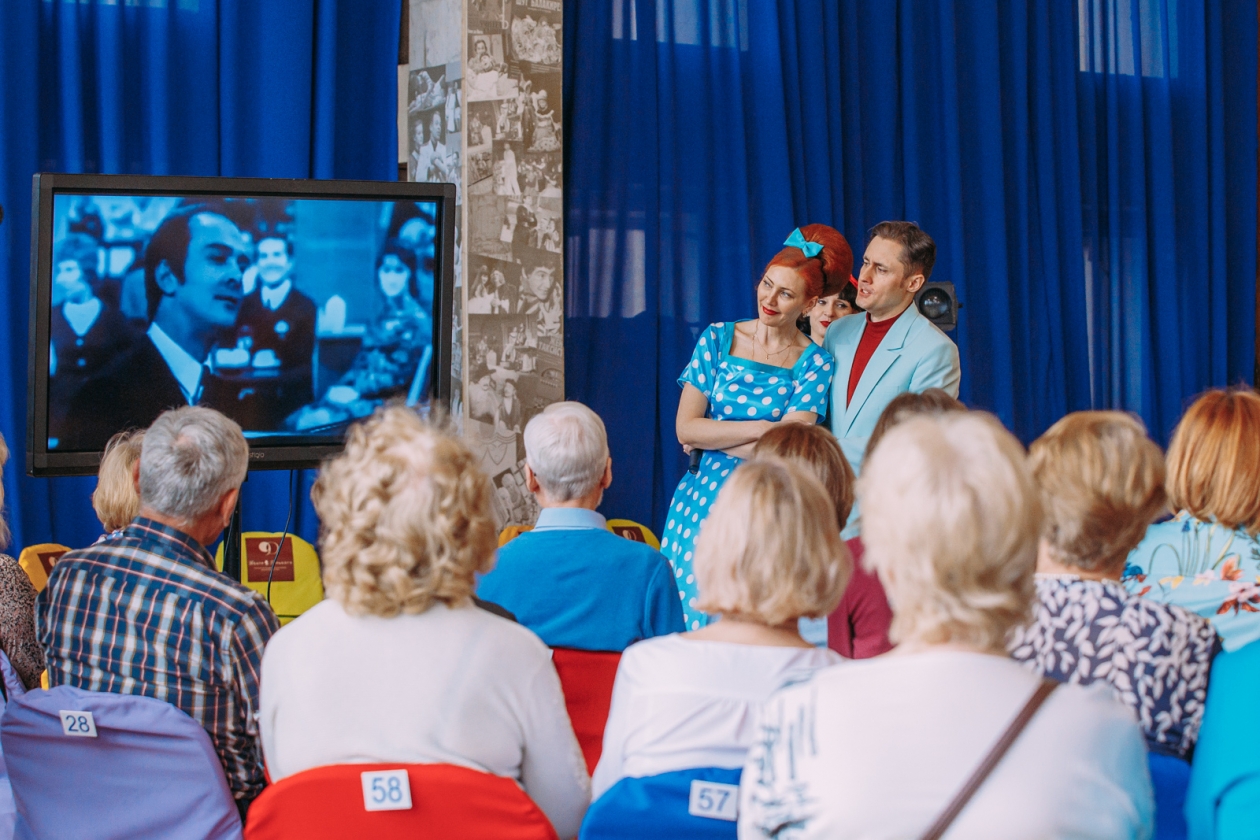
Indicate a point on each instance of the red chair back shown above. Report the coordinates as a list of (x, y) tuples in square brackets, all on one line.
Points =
[(330, 803), (587, 679)]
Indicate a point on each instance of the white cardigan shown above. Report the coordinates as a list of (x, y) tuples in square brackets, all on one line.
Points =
[(450, 685)]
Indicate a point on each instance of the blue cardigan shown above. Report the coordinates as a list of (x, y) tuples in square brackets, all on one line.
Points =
[(578, 585)]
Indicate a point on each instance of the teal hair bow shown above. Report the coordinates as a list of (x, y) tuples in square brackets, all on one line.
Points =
[(798, 240)]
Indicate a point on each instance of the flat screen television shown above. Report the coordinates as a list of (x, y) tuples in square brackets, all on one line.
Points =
[(294, 307)]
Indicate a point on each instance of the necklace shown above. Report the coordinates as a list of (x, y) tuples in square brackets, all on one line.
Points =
[(761, 346)]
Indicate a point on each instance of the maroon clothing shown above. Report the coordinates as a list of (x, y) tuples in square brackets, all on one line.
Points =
[(872, 335), (858, 628)]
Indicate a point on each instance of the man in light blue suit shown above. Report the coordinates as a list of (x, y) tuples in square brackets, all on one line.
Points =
[(892, 348)]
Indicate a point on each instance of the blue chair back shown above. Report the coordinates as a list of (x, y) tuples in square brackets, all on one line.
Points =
[(106, 766), (1170, 776), (699, 804)]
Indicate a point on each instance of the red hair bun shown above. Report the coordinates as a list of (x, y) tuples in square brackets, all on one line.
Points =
[(826, 273)]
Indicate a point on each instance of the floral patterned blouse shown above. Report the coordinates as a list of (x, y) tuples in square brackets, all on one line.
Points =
[(1157, 658), (1203, 567)]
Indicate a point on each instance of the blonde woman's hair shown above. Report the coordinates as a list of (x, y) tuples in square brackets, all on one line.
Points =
[(1214, 460), (4, 525), (770, 550), (115, 499), (951, 519), (1102, 484), (818, 451), (406, 518)]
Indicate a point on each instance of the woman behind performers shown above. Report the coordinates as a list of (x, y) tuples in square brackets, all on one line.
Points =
[(744, 377)]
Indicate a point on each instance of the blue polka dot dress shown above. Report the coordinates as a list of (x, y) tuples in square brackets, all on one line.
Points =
[(738, 389)]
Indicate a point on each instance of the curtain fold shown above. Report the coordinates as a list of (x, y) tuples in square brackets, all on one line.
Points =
[(299, 89), (1088, 170)]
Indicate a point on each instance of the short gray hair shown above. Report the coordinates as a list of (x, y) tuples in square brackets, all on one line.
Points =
[(190, 458), (566, 447)]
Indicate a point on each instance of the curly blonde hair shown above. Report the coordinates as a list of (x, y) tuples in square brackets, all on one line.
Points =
[(406, 518)]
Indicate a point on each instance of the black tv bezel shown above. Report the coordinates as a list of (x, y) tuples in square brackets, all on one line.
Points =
[(40, 462)]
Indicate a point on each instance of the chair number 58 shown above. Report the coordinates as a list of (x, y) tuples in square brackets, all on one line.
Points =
[(77, 724), (386, 790), (714, 800)]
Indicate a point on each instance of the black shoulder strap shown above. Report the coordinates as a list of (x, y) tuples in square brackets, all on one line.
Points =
[(991, 760)]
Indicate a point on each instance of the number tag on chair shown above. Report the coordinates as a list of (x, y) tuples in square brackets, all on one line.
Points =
[(714, 800), (77, 724), (386, 790)]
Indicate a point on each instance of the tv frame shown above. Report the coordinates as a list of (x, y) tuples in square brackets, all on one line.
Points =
[(40, 462)]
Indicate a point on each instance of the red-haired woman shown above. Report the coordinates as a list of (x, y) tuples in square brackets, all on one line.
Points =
[(744, 377)]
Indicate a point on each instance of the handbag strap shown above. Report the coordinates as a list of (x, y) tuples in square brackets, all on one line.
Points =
[(991, 760)]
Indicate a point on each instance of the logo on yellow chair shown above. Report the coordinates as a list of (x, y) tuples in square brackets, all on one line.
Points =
[(260, 553)]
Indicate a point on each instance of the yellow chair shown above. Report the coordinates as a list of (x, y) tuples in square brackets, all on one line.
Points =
[(296, 584), (37, 561), (511, 532), (632, 530)]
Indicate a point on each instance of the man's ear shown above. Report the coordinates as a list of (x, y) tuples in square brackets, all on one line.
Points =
[(531, 480), (228, 503), (915, 282), (135, 475), (606, 481), (165, 278)]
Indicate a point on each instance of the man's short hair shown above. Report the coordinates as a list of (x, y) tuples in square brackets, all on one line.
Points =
[(191, 456), (770, 549), (918, 251), (169, 244), (1102, 484), (566, 447)]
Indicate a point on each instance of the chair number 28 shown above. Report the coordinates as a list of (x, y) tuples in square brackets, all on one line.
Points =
[(77, 724), (713, 800), (386, 790)]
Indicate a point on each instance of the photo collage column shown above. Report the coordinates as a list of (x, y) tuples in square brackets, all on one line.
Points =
[(512, 317)]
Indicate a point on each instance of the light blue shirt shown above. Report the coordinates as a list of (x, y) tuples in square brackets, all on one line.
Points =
[(569, 519)]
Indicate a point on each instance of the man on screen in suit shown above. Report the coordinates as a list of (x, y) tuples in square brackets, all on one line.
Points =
[(193, 269), (281, 322), (892, 348)]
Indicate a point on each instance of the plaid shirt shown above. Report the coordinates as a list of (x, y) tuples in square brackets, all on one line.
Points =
[(146, 613)]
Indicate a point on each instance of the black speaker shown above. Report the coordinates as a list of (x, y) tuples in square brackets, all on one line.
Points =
[(939, 304)]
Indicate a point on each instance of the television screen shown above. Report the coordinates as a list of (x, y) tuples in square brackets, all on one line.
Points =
[(293, 314)]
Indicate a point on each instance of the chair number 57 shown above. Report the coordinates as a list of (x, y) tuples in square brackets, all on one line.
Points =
[(713, 800)]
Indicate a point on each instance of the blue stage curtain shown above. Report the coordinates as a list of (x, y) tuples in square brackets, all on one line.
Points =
[(293, 89), (1087, 168)]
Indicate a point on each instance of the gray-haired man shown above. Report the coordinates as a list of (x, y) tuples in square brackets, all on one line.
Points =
[(171, 612)]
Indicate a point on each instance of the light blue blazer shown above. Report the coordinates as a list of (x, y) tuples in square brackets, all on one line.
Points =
[(914, 356)]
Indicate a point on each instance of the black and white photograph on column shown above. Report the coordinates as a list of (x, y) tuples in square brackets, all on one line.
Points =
[(536, 33), (493, 286), (487, 70)]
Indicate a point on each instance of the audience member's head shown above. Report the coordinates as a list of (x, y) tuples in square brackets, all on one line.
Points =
[(770, 551), (566, 456), (951, 523), (115, 499), (930, 403), (406, 518), (816, 450), (4, 525), (192, 463), (1214, 460), (1102, 483)]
